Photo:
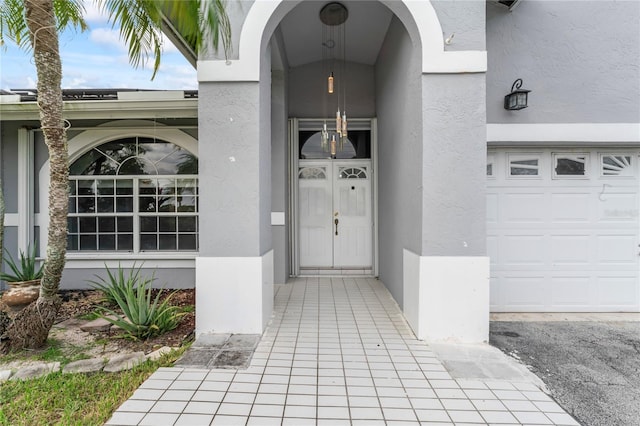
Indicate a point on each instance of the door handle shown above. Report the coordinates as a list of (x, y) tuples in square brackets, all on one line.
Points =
[(336, 223)]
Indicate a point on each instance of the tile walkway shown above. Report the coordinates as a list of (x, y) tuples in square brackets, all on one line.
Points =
[(337, 352)]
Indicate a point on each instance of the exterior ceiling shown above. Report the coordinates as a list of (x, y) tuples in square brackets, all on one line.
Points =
[(366, 29)]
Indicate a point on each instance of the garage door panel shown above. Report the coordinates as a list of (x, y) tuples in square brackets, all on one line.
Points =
[(571, 291), (519, 208), (571, 249), (617, 291), (492, 208), (522, 250), (492, 249), (570, 207), (617, 249), (618, 207), (524, 291), (561, 243)]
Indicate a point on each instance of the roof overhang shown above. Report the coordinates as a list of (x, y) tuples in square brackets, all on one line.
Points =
[(129, 105)]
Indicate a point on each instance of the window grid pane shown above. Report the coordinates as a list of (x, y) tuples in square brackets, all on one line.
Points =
[(103, 210)]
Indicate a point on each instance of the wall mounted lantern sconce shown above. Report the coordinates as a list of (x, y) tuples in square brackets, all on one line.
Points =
[(518, 97)]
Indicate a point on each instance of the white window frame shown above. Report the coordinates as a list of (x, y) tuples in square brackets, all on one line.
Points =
[(136, 214), (85, 141), (524, 157), (632, 166), (555, 156)]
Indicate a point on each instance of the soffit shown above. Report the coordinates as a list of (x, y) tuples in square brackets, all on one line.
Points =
[(366, 29)]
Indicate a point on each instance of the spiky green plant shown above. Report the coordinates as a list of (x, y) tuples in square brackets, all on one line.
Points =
[(143, 316), (25, 270), (116, 283)]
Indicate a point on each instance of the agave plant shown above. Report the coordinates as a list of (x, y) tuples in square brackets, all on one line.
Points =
[(24, 270), (143, 316), (116, 283)]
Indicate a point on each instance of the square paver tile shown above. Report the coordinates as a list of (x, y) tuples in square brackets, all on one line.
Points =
[(263, 410), (123, 418), (528, 417), (199, 407), (333, 412), (159, 419), (234, 409), (465, 416), (137, 405), (300, 411), (194, 420), (366, 413), (498, 417)]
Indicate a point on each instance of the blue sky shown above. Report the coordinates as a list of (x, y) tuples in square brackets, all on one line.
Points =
[(95, 59)]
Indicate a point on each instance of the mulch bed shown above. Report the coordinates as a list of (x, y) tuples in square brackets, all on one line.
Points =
[(83, 302)]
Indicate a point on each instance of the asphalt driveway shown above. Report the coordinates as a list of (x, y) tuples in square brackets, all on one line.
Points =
[(592, 368)]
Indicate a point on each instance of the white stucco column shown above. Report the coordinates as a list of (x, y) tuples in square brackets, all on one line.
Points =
[(446, 298)]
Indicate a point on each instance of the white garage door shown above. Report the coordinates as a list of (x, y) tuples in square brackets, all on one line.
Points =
[(562, 230)]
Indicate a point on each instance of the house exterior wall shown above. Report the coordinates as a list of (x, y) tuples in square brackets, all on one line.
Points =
[(307, 84), (279, 176), (9, 165), (580, 59), (229, 134), (177, 272), (463, 19), (398, 89), (454, 165)]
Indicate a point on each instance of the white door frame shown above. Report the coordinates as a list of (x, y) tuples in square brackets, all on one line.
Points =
[(295, 125)]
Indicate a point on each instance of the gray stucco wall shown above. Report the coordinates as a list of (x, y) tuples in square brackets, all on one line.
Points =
[(172, 278), (229, 129), (454, 168), (398, 88), (580, 59), (465, 20), (308, 84), (9, 146), (279, 175), (264, 149)]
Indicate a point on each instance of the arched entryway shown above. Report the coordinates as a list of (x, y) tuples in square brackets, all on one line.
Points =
[(398, 76)]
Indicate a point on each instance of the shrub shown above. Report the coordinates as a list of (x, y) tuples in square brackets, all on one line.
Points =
[(26, 270), (144, 316), (116, 284)]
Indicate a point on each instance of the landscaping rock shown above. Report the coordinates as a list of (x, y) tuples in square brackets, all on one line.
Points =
[(35, 371), (4, 375), (155, 355), (84, 366), (124, 362), (71, 323), (98, 325)]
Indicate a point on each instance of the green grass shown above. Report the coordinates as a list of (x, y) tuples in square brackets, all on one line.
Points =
[(54, 352), (73, 399)]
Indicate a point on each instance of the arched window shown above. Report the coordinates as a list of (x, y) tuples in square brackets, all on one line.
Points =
[(134, 195)]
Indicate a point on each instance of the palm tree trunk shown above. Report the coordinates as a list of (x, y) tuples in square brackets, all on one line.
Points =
[(1, 222), (31, 326)]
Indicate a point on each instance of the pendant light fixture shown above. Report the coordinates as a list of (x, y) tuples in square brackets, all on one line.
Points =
[(333, 17)]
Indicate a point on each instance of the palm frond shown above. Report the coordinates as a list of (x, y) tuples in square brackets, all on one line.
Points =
[(13, 24)]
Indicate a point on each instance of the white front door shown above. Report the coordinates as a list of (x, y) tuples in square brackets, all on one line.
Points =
[(335, 214)]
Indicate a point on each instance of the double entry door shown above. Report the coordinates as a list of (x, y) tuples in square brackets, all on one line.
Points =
[(335, 217)]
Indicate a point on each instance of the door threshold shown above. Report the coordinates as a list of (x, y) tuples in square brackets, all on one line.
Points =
[(335, 272)]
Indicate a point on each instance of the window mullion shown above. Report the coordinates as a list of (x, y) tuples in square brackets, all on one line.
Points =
[(136, 214)]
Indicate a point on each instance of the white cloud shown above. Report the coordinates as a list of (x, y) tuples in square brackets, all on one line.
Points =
[(93, 14), (107, 37)]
